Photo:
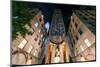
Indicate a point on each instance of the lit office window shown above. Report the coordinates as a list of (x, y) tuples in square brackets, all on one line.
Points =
[(43, 39), (29, 49), (35, 53), (87, 42), (42, 16), (39, 31), (41, 35), (36, 24), (22, 44), (81, 48)]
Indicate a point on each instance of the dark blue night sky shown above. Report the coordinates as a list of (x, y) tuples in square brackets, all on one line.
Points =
[(48, 8)]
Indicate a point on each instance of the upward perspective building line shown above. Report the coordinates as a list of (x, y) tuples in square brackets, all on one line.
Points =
[(57, 50), (37, 47), (81, 32)]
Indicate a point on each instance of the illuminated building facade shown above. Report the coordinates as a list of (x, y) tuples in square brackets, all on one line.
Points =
[(82, 32), (29, 49), (57, 50)]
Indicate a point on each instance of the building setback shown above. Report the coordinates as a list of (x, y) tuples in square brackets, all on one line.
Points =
[(29, 49), (82, 32)]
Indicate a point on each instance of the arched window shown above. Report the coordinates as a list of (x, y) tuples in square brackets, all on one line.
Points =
[(18, 58)]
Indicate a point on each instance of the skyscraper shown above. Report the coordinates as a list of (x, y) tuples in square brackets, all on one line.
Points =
[(29, 49), (57, 49), (82, 32)]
